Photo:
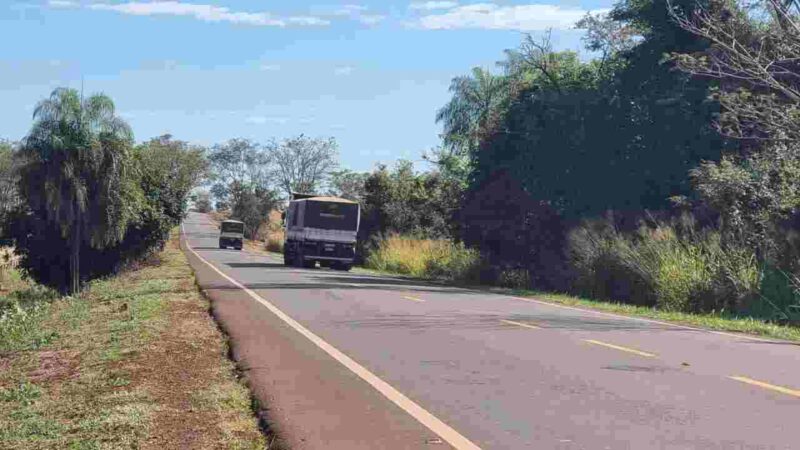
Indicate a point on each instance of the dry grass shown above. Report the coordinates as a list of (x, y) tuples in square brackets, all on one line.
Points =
[(423, 258), (135, 362), (9, 278)]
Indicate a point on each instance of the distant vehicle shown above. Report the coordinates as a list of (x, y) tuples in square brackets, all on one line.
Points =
[(321, 229), (231, 234)]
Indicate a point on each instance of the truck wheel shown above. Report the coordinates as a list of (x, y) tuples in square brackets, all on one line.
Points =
[(286, 260), (297, 259), (343, 266), (222, 246), (309, 264)]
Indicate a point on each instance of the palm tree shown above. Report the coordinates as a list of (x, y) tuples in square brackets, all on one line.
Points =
[(75, 170), (476, 99)]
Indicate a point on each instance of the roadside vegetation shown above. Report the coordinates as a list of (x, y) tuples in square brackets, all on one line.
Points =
[(689, 209), (134, 361), (105, 341), (691, 206)]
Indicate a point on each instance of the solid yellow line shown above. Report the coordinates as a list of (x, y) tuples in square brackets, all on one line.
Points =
[(781, 389), (620, 348), (433, 423), (413, 299), (520, 324)]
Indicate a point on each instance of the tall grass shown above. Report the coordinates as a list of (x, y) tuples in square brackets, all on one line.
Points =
[(424, 258), (677, 268)]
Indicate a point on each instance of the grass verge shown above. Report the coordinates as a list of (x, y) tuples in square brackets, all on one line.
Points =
[(134, 362), (716, 322)]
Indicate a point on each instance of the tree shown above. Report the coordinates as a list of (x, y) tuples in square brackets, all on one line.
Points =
[(9, 165), (77, 172), (754, 56), (404, 201), (239, 161), (348, 184), (170, 169), (303, 164), (252, 206), (471, 110)]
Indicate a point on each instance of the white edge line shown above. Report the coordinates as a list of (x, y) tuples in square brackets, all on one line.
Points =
[(446, 432), (642, 319)]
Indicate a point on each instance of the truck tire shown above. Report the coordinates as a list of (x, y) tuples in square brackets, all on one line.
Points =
[(286, 260), (343, 266), (297, 258), (309, 263)]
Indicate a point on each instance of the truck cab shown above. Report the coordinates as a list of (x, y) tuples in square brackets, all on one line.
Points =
[(321, 229), (231, 234)]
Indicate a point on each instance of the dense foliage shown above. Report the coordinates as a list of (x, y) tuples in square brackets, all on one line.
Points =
[(404, 201), (90, 200), (689, 108)]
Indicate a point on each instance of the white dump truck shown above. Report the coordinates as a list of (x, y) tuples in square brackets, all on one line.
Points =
[(321, 229)]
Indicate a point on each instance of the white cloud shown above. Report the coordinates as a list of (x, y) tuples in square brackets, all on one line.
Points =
[(256, 120), (269, 67), (206, 13), (344, 70), (261, 120), (348, 10), (533, 17), (430, 6), (309, 21), (357, 13), (61, 4), (371, 19)]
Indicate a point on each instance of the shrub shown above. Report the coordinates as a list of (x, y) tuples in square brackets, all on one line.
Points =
[(424, 258), (607, 266), (664, 266), (275, 243), (514, 278)]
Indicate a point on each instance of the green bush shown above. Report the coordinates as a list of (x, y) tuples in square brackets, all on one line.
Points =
[(21, 317)]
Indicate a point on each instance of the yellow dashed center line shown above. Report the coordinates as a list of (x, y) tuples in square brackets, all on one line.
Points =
[(620, 348), (772, 387), (520, 324), (413, 299)]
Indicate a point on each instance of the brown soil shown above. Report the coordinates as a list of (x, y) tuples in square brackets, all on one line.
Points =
[(182, 363), (55, 366)]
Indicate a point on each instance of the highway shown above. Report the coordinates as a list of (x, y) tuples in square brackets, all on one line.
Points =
[(353, 360)]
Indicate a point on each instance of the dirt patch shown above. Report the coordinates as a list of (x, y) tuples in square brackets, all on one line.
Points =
[(186, 370), (55, 366)]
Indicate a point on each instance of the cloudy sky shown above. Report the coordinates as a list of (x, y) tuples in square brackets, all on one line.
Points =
[(372, 73)]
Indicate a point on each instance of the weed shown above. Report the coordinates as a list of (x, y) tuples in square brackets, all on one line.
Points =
[(24, 394)]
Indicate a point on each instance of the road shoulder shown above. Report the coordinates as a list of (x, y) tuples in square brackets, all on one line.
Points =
[(308, 399)]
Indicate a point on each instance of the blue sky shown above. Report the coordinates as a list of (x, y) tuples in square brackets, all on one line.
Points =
[(370, 73)]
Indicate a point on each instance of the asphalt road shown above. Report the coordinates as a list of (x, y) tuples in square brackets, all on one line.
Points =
[(501, 372)]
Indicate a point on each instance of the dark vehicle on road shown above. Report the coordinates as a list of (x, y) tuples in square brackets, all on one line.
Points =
[(231, 234), (321, 229)]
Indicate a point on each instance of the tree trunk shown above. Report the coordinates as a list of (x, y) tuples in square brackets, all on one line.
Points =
[(75, 262)]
